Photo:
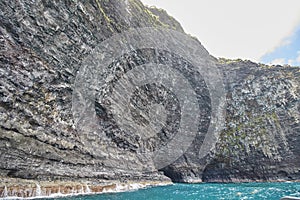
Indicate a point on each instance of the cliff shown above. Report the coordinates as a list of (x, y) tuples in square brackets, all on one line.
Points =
[(260, 138), (48, 133)]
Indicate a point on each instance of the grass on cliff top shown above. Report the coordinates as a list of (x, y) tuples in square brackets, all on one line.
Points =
[(230, 61)]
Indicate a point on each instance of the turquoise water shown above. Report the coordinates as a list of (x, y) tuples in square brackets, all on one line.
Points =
[(270, 191)]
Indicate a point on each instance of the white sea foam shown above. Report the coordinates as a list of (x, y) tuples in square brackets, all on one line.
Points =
[(38, 191), (120, 187), (5, 191), (88, 190)]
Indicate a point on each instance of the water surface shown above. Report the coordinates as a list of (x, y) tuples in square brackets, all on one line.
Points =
[(207, 191)]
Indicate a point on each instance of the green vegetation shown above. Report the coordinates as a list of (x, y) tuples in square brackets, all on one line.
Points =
[(254, 133), (107, 19)]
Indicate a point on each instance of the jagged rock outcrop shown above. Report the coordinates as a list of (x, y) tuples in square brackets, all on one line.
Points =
[(261, 137), (260, 140), (42, 47)]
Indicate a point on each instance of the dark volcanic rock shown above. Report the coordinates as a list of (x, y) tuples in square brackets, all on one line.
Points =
[(260, 140), (42, 47)]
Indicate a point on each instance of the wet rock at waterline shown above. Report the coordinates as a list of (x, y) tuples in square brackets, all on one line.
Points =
[(62, 110)]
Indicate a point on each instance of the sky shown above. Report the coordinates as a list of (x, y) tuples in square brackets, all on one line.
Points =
[(266, 31)]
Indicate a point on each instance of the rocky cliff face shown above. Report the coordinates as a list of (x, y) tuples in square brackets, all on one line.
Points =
[(42, 48), (260, 139)]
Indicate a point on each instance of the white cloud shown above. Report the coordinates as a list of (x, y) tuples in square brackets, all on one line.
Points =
[(298, 58), (278, 61), (235, 28), (291, 62), (284, 42)]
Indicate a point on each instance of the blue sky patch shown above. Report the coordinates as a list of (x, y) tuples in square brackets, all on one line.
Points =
[(285, 54)]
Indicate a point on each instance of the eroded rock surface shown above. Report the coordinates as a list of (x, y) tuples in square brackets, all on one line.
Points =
[(42, 47), (260, 140)]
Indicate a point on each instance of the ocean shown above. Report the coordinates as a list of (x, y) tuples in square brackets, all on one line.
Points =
[(205, 191)]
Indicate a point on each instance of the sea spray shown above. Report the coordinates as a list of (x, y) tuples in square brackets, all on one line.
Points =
[(87, 189), (82, 190), (38, 191), (47, 190), (5, 192)]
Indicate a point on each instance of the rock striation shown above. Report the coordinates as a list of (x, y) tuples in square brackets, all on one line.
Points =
[(42, 47), (260, 138)]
